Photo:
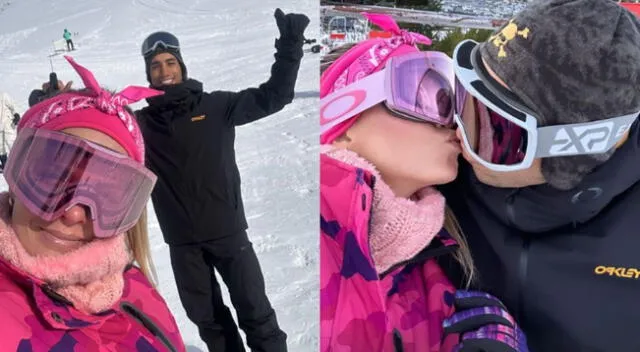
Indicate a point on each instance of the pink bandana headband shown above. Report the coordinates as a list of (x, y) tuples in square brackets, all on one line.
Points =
[(364, 59), (94, 108)]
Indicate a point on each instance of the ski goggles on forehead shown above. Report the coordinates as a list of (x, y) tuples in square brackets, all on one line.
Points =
[(49, 172), (159, 40), (501, 133), (416, 86)]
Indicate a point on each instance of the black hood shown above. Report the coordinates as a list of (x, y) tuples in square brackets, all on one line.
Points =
[(178, 100), (542, 208), (172, 91), (176, 95)]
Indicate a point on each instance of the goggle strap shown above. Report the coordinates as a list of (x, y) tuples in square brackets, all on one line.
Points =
[(157, 43), (351, 100), (582, 138)]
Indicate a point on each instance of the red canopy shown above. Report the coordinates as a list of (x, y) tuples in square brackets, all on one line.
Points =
[(633, 7)]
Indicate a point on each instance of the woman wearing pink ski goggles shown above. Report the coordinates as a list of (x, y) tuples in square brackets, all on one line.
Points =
[(75, 263), (50, 172), (415, 85)]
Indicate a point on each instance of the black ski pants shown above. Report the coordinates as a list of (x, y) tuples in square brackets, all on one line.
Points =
[(236, 262)]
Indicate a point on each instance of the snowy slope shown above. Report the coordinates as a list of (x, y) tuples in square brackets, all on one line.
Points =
[(226, 45)]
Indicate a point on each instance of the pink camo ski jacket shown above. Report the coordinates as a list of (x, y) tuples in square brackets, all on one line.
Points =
[(359, 310), (35, 319)]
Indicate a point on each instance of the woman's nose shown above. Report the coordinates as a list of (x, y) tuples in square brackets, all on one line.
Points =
[(77, 214)]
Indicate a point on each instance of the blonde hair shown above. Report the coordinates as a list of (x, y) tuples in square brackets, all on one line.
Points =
[(138, 242), (463, 254)]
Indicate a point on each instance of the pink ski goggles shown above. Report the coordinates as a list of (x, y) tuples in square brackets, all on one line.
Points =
[(416, 86), (49, 172)]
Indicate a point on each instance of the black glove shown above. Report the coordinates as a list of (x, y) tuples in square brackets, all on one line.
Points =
[(291, 25), (484, 325), (53, 83), (16, 119)]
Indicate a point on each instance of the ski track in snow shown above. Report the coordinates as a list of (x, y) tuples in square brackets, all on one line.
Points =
[(226, 45)]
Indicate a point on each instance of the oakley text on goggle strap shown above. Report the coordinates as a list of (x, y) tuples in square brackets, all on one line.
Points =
[(536, 142), (417, 86), (49, 172)]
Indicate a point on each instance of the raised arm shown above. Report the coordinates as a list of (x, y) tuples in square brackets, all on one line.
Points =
[(271, 96)]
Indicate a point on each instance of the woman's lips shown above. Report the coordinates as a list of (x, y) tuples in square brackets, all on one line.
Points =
[(60, 240)]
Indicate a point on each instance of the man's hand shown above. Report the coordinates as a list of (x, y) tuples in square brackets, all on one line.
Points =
[(38, 95), (291, 25), (62, 87)]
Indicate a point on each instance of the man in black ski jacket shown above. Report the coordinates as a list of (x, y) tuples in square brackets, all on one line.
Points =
[(558, 239), (189, 136)]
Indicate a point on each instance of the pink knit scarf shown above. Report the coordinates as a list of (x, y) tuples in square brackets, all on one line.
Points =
[(400, 227), (91, 277)]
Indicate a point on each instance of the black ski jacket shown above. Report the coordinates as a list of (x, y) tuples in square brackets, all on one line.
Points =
[(566, 263), (189, 137)]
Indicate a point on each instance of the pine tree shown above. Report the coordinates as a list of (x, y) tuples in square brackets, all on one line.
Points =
[(429, 5), (455, 36)]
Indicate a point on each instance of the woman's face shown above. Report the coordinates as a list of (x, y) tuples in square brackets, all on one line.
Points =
[(409, 155), (70, 231)]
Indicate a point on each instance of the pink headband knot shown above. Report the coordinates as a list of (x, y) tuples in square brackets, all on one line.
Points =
[(387, 23)]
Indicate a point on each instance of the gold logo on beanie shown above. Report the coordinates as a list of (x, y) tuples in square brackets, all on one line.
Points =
[(507, 34)]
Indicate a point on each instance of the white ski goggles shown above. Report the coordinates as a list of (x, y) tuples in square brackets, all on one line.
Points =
[(503, 133)]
